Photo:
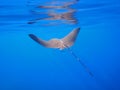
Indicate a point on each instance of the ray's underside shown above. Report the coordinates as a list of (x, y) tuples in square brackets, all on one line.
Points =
[(65, 42)]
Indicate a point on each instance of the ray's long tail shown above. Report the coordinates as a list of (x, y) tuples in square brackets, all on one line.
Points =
[(78, 59)]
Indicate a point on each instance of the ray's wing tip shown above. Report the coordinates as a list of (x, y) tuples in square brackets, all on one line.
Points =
[(31, 35), (78, 28)]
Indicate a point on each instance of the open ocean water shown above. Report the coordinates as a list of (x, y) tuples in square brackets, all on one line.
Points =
[(26, 65)]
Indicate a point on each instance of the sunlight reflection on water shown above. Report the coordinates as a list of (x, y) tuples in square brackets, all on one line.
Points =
[(54, 12)]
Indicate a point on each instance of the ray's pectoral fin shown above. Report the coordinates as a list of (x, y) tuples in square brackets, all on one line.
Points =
[(53, 43), (70, 38), (38, 40), (67, 41)]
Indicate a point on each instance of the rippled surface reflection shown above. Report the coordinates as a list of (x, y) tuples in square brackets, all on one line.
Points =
[(54, 12)]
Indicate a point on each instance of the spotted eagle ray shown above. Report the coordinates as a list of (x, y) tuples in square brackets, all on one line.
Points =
[(65, 42)]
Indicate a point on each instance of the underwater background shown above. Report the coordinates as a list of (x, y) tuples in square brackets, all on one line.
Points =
[(26, 65)]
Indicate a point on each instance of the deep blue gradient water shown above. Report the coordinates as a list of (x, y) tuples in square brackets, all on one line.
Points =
[(26, 65)]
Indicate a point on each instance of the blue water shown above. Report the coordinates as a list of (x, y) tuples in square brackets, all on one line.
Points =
[(26, 65)]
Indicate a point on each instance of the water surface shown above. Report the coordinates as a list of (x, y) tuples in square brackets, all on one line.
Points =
[(25, 64)]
